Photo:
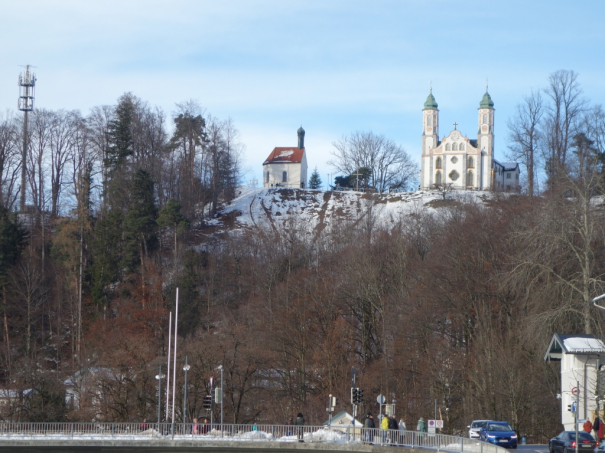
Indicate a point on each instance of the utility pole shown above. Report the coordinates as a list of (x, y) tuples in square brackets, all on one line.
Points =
[(575, 415), (27, 83)]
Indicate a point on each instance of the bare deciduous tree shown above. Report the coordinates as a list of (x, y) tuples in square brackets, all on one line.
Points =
[(389, 164), (525, 136)]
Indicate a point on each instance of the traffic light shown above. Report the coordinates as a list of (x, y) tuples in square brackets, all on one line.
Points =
[(359, 396), (209, 402), (353, 395), (569, 407)]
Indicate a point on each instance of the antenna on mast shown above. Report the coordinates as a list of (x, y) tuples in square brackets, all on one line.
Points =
[(27, 84)]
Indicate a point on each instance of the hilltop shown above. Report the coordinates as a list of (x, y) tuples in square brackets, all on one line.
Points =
[(315, 209)]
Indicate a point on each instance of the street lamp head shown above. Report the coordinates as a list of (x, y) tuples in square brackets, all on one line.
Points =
[(220, 367), (187, 367), (596, 299), (160, 376)]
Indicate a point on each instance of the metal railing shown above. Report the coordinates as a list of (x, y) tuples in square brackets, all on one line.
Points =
[(338, 434)]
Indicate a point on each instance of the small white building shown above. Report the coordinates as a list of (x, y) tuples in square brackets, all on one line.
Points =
[(506, 176), (287, 166), (580, 357), (342, 422)]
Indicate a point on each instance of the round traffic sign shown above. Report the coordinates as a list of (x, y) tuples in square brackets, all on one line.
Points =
[(380, 399), (575, 391)]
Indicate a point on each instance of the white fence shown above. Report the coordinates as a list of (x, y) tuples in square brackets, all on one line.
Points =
[(244, 433)]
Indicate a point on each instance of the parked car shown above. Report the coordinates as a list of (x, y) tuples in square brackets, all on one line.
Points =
[(474, 427), (499, 433), (566, 442)]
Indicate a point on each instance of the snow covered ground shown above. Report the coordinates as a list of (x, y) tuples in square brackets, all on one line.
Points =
[(314, 210)]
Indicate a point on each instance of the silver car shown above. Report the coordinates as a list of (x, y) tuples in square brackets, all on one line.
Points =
[(475, 426)]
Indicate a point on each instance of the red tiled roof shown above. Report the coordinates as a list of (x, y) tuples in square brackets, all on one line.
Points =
[(285, 154)]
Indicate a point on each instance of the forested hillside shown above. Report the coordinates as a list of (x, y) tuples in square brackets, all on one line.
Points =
[(427, 297)]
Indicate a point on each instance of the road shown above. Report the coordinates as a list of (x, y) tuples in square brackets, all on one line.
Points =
[(533, 448)]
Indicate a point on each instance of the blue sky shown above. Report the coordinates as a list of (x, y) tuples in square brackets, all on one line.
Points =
[(333, 66)]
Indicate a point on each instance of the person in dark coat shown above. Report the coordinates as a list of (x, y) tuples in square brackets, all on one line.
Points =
[(369, 424), (300, 421), (595, 426), (393, 427)]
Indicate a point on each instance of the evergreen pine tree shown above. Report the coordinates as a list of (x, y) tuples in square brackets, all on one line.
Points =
[(171, 216), (120, 135), (139, 223), (315, 180)]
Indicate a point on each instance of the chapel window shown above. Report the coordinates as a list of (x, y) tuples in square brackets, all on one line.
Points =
[(439, 162), (438, 177), (448, 147), (267, 178), (461, 147), (471, 162), (455, 147), (469, 178), (284, 176), (429, 121), (484, 119)]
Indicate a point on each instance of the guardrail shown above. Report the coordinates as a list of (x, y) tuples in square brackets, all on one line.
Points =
[(340, 434)]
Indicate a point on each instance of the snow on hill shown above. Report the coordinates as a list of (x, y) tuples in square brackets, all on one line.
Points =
[(315, 210)]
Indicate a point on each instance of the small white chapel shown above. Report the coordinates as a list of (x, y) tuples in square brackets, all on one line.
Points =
[(287, 166), (460, 162)]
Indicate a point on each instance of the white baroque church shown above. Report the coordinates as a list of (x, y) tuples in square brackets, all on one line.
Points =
[(460, 162)]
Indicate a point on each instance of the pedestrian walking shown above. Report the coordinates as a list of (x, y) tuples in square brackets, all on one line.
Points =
[(369, 425), (195, 428), (393, 429), (401, 431), (384, 425), (420, 430), (206, 427), (587, 426), (299, 422), (595, 427)]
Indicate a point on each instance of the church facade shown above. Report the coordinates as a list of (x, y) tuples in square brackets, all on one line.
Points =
[(460, 162), (287, 166)]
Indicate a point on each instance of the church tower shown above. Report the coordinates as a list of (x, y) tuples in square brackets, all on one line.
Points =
[(485, 140), (430, 137)]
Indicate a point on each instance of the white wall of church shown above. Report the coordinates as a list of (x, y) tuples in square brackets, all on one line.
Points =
[(296, 173)]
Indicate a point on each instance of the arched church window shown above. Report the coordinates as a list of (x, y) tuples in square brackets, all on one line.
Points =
[(471, 162), (267, 177), (439, 162), (284, 176), (429, 121), (484, 118), (454, 146), (448, 147), (461, 147), (469, 178), (438, 178)]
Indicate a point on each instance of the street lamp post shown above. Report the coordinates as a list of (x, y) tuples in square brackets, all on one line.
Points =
[(186, 368), (221, 368), (159, 377)]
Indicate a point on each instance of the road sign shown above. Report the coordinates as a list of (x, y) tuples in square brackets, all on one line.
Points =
[(575, 391), (380, 399), (439, 424)]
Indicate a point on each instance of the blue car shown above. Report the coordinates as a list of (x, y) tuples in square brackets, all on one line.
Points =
[(498, 433)]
